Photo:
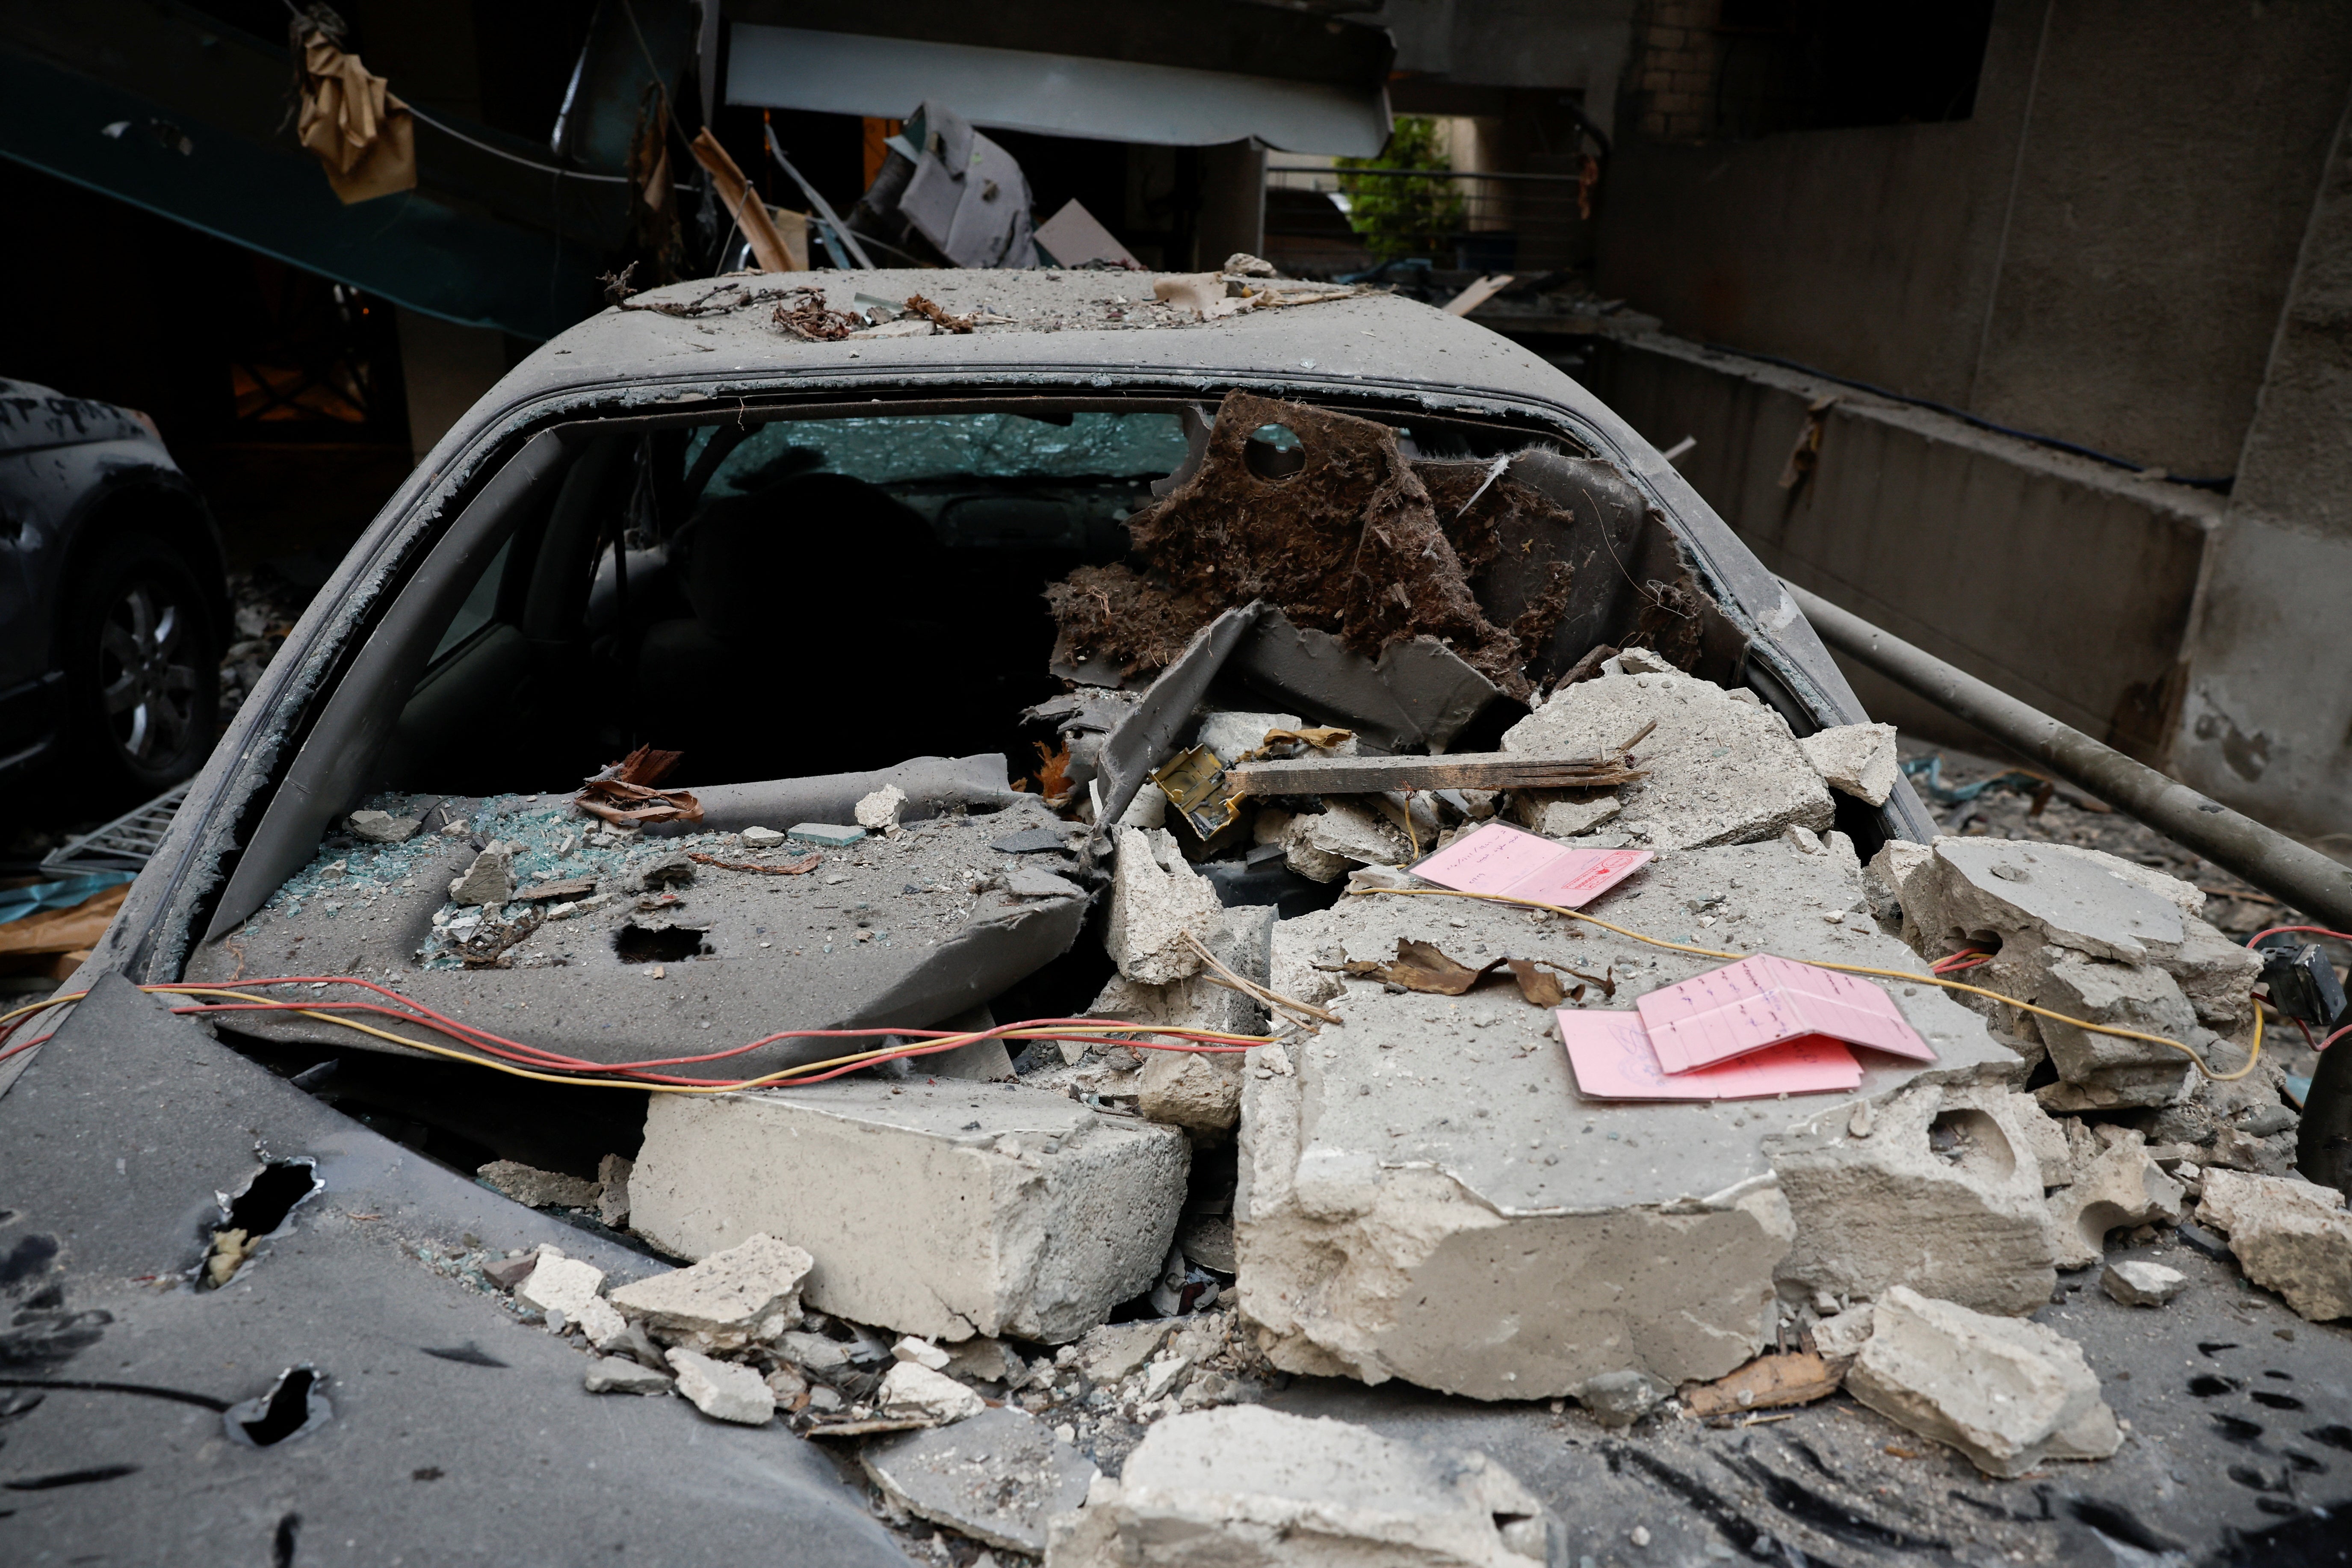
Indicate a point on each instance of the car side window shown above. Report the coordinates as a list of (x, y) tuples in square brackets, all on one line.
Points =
[(480, 607)]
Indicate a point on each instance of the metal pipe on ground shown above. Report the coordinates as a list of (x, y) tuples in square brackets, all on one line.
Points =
[(2302, 876)]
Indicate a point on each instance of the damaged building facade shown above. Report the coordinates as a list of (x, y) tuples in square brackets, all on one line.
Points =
[(1030, 866)]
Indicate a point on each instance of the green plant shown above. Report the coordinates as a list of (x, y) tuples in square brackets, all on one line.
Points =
[(1399, 217)]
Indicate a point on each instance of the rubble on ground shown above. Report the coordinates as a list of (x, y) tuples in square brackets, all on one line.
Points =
[(2007, 1393), (996, 1477), (2293, 1236), (1247, 1485)]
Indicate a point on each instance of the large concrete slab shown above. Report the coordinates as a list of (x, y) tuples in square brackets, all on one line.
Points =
[(943, 1208), (1424, 1194)]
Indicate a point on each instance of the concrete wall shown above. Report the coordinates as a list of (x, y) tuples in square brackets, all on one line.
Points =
[(2068, 583), (2267, 724), (1578, 45), (2100, 253)]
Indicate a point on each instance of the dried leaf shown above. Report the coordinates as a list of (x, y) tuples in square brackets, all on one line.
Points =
[(1420, 966), (1542, 989), (938, 313), (1798, 1378), (798, 867)]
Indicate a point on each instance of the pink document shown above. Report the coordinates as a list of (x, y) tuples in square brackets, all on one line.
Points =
[(1765, 1001), (1501, 860), (1611, 1053)]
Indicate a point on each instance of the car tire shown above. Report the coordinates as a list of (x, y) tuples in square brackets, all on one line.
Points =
[(140, 653)]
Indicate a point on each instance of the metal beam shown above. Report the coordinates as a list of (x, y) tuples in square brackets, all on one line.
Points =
[(2272, 861)]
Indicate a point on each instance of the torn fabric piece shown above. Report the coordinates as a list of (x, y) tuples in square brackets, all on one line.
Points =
[(350, 121)]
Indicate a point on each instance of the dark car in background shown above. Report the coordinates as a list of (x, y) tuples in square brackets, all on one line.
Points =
[(114, 603)]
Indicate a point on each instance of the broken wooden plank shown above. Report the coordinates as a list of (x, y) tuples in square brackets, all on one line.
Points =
[(1462, 770), (1798, 1378)]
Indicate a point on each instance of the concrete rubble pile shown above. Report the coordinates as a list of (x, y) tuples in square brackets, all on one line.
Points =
[(1047, 1283)]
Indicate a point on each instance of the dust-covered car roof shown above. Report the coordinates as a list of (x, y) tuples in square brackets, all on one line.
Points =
[(1057, 326)]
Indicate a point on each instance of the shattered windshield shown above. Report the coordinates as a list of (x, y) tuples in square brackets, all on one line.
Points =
[(905, 448)]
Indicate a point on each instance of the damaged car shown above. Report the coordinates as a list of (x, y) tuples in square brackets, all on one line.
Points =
[(913, 853)]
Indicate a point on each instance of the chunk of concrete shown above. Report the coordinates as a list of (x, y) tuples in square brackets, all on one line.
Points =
[(1720, 772), (912, 1392), (878, 812), (619, 1375), (995, 1478), (2122, 1187), (1247, 1486), (538, 1189), (1325, 846), (2216, 975), (612, 1190), (1239, 938), (721, 1390), (2046, 1137), (749, 1292), (2005, 1392), (762, 839), (943, 1209), (1621, 1398), (2038, 892), (1942, 1195), (602, 1324), (1558, 815), (1231, 736), (1854, 759), (488, 880), (1410, 1172), (382, 827), (1156, 898), (2135, 1283), (1115, 1350), (559, 1284), (1841, 1335), (2139, 996), (1190, 1089), (2291, 1237)]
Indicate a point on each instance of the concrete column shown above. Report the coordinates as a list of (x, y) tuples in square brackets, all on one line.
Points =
[(447, 368), (2267, 721), (1233, 202)]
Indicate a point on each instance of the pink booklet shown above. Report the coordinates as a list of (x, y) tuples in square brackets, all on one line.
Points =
[(1611, 1053), (1766, 1001), (1502, 859)]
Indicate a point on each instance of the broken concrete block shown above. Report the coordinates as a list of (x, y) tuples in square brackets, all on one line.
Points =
[(2122, 1187), (921, 1352), (612, 1191), (1231, 736), (721, 1390), (943, 1209), (2046, 1137), (488, 880), (1207, 1241), (1621, 1398), (1111, 1352), (1031, 882), (2040, 893), (2291, 1237), (1244, 1485), (1558, 816), (1148, 809), (1156, 899), (911, 1392), (619, 1375), (382, 827), (559, 1284), (2005, 1392), (750, 1292), (2216, 975), (2138, 1284), (1854, 759), (1190, 1089), (1900, 871), (1379, 1211), (762, 839), (1324, 846), (2139, 996), (537, 1188), (1720, 772), (996, 1477), (878, 812), (983, 1361), (1638, 661), (1942, 1195), (825, 835), (601, 1325), (1841, 1335)]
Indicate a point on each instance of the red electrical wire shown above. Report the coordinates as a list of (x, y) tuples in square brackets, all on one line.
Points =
[(2273, 930)]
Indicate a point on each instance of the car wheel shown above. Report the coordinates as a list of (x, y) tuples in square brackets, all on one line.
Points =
[(142, 669)]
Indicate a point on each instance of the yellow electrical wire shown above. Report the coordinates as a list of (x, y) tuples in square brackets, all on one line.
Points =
[(2254, 1051)]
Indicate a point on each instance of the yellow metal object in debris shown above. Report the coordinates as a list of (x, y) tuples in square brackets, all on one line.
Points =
[(1194, 783)]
